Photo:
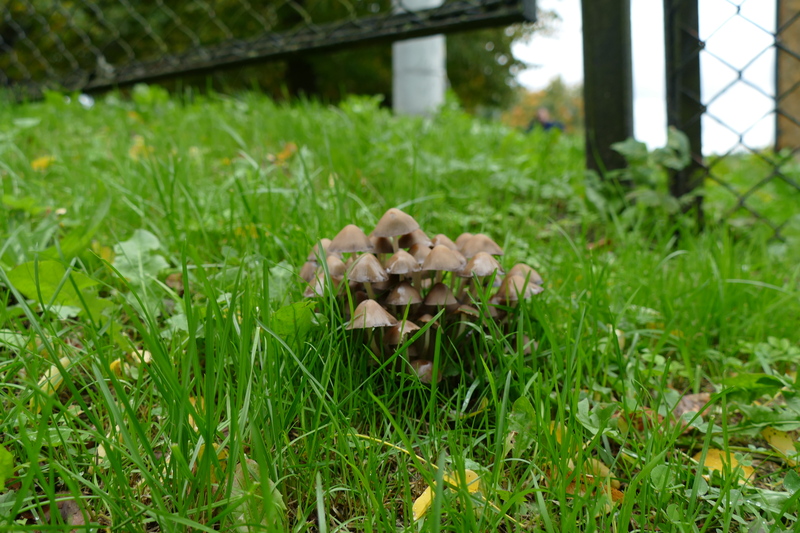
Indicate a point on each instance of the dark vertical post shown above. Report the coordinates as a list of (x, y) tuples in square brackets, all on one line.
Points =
[(607, 80), (787, 75), (684, 105)]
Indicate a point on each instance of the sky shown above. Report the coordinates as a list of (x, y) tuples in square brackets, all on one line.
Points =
[(733, 41)]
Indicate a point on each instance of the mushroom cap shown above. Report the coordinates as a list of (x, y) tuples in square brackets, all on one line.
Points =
[(316, 287), (524, 271), (314, 254), (515, 288), (396, 333), (367, 269), (307, 271), (468, 310), (482, 264), (350, 239), (395, 222), (443, 258), (419, 252), (439, 295), (414, 237), (370, 314), (381, 245), (462, 239), (336, 267), (480, 243), (444, 240), (402, 262), (404, 294), (423, 368)]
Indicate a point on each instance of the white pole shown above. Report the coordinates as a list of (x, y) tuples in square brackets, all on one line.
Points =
[(419, 76)]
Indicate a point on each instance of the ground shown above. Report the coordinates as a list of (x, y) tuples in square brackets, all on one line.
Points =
[(151, 310)]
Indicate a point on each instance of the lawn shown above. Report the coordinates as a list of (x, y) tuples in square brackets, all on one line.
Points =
[(151, 311)]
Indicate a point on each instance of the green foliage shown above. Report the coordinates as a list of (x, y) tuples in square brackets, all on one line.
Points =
[(6, 466), (214, 203), (480, 65)]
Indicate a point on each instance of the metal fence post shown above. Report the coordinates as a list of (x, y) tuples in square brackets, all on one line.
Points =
[(608, 80), (787, 75), (684, 105)]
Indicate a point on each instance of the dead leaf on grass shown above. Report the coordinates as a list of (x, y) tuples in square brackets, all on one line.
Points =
[(691, 403), (423, 503), (782, 443), (68, 509), (720, 461)]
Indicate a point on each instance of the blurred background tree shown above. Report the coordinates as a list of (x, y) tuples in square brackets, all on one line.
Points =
[(564, 102), (480, 65)]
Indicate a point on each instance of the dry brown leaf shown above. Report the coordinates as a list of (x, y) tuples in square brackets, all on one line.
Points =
[(720, 461), (692, 403), (638, 420), (67, 507), (582, 486), (596, 467), (782, 443)]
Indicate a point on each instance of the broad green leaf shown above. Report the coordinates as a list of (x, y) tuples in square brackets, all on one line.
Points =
[(261, 507), (746, 388), (6, 466), (661, 477), (521, 426), (293, 322), (12, 339), (281, 277), (792, 481), (135, 259), (55, 287), (632, 150)]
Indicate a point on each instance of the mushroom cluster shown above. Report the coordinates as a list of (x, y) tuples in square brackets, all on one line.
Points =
[(399, 279)]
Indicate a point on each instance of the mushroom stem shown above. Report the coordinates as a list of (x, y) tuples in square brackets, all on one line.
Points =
[(370, 292), (416, 281)]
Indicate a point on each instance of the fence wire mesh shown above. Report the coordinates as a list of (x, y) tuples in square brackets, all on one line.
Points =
[(733, 86), (97, 44)]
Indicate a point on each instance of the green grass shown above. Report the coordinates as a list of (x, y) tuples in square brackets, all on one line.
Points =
[(232, 193)]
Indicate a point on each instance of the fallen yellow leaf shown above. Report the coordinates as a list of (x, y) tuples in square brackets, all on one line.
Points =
[(596, 467), (782, 443), (719, 460), (40, 164), (423, 503), (50, 383), (116, 367)]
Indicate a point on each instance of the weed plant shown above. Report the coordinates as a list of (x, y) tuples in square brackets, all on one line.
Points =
[(150, 313)]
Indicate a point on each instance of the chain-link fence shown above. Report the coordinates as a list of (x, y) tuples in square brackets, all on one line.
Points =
[(97, 44), (733, 86)]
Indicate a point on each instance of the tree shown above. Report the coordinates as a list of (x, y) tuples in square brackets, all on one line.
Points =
[(480, 64)]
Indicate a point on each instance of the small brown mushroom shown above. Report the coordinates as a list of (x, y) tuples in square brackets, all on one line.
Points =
[(440, 295), (444, 240), (415, 237), (308, 271), (404, 294), (480, 243), (402, 263), (370, 314), (462, 239), (443, 259), (395, 222), (423, 369), (524, 271), (367, 270), (515, 288), (381, 245), (350, 239), (315, 255), (397, 333)]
